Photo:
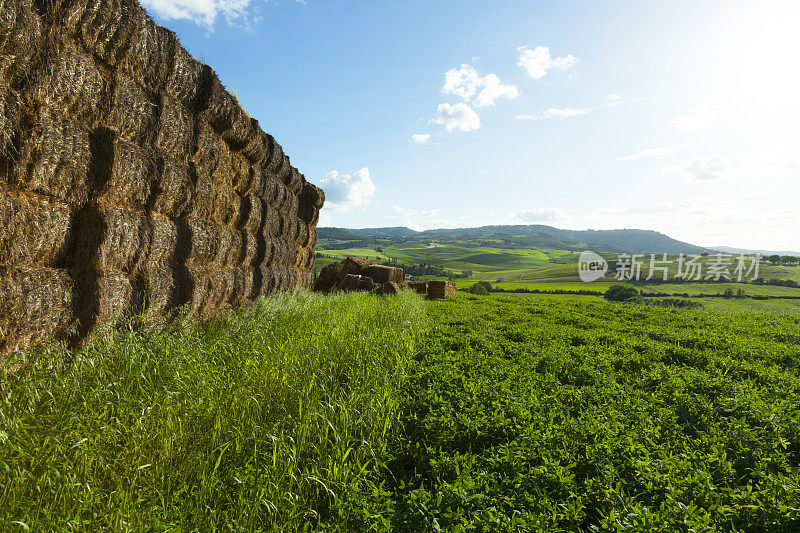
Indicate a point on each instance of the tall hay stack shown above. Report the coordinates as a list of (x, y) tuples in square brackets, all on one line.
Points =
[(131, 181)]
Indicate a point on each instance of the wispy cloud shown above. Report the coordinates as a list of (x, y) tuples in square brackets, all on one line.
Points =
[(569, 112), (658, 151), (466, 83), (420, 138), (538, 61)]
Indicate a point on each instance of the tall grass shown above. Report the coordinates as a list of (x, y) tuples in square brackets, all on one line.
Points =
[(259, 420)]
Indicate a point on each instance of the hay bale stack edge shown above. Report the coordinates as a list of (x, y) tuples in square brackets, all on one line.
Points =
[(131, 180)]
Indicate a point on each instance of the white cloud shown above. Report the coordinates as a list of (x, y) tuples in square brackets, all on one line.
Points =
[(457, 117), (204, 12), (345, 191), (709, 168), (695, 120), (564, 112), (465, 82), (538, 61), (420, 138), (540, 214), (659, 151)]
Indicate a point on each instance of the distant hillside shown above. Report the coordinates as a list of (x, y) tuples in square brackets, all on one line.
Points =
[(729, 250), (536, 236)]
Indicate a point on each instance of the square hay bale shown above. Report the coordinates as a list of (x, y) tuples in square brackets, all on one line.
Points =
[(271, 221), (107, 27), (10, 109), (185, 79), (242, 290), (205, 243), (313, 195), (356, 283), (354, 265), (438, 289), (134, 176), (257, 147), (150, 55), (164, 243), (58, 153), (69, 80), (35, 306), (176, 128), (159, 291), (34, 229), (252, 214), (212, 289), (226, 116), (117, 297), (125, 243), (420, 287), (384, 274), (21, 39), (175, 192), (134, 114), (254, 249), (231, 247), (273, 162)]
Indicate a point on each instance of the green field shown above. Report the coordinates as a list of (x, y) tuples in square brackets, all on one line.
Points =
[(364, 413), (535, 270), (573, 414)]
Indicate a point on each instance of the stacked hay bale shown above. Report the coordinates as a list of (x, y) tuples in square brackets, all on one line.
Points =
[(130, 179), (355, 274)]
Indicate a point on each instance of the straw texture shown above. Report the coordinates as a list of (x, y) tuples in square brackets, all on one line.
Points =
[(131, 181)]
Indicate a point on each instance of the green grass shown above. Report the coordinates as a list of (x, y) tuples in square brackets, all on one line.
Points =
[(362, 413), (260, 420), (574, 414), (692, 289)]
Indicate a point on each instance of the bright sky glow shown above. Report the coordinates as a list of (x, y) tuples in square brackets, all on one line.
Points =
[(682, 117)]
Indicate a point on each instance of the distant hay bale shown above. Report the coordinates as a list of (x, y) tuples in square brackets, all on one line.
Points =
[(57, 153), (134, 115), (34, 229), (438, 289), (35, 305)]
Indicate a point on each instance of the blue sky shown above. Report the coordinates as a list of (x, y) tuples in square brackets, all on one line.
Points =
[(682, 117)]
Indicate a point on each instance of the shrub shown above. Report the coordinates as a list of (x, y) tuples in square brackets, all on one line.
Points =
[(621, 293)]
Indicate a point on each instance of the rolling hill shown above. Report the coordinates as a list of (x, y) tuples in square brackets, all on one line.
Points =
[(513, 237)]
